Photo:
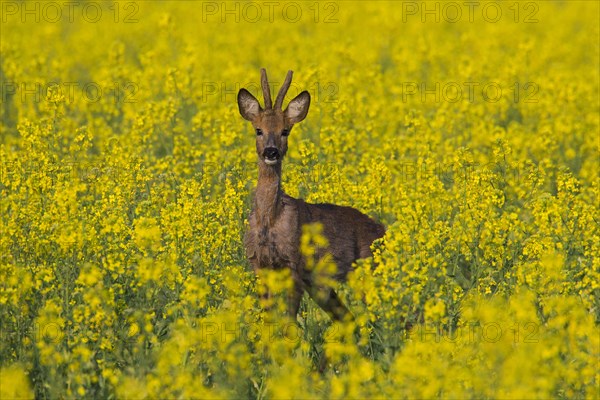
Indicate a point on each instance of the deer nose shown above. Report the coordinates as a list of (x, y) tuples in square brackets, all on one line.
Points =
[(271, 153)]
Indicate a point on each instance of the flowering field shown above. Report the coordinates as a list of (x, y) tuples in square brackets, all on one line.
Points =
[(469, 129)]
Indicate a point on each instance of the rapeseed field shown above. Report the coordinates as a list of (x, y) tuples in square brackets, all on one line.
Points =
[(469, 129)]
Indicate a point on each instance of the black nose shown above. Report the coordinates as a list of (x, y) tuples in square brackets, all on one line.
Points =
[(271, 153)]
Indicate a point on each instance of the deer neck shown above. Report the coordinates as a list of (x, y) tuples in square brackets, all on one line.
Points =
[(268, 194)]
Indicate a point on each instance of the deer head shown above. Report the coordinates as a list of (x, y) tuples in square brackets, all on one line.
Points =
[(272, 125)]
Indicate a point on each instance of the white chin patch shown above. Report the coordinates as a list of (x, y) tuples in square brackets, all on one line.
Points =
[(270, 162)]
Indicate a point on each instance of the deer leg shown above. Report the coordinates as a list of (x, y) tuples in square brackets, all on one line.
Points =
[(294, 299), (265, 296), (329, 301), (265, 293), (295, 294), (365, 251)]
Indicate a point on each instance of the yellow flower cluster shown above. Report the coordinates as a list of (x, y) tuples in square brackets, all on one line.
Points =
[(469, 130)]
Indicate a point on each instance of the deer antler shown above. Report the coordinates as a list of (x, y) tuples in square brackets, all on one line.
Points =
[(283, 90), (265, 87)]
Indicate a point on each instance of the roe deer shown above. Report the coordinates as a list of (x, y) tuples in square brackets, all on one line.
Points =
[(273, 240)]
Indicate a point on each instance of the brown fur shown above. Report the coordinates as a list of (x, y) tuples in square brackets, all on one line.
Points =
[(273, 240)]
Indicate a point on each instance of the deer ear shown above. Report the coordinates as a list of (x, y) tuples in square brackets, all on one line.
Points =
[(248, 105), (298, 108)]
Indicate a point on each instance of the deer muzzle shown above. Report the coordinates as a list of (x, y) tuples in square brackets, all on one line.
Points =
[(271, 155)]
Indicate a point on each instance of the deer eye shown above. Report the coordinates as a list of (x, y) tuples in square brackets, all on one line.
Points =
[(259, 131), (285, 132)]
